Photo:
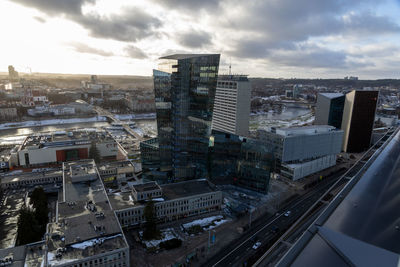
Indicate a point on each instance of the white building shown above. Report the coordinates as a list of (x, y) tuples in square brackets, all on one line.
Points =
[(301, 151), (232, 105)]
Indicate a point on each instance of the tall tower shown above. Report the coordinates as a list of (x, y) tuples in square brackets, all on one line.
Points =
[(358, 120), (232, 105), (184, 87), (12, 74)]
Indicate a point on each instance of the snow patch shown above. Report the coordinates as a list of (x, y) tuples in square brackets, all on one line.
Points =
[(24, 124), (167, 234), (92, 242), (206, 223)]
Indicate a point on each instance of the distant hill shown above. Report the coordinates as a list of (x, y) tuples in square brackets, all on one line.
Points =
[(74, 80)]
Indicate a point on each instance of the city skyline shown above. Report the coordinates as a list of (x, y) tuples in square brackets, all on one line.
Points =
[(329, 39)]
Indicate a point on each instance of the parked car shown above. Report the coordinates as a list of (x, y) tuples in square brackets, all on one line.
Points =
[(287, 213)]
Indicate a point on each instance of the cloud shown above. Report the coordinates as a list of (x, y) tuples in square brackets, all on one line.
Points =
[(56, 7), (83, 48), (40, 19), (190, 5), (134, 52), (132, 24), (194, 39), (283, 23)]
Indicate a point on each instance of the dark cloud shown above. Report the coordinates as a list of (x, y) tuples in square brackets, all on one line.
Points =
[(369, 23), (194, 39), (313, 56), (40, 19), (134, 52), (280, 23), (56, 7), (83, 48), (132, 25)]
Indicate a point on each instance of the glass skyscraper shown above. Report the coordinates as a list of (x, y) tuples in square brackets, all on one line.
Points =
[(184, 87), (240, 161)]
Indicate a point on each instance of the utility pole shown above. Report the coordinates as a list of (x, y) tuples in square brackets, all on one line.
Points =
[(251, 211)]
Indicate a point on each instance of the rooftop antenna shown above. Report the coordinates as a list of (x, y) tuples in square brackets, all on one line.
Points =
[(230, 66)]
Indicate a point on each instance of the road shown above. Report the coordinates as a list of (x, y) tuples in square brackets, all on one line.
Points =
[(238, 253)]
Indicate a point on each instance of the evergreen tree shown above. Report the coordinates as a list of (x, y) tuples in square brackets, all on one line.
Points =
[(39, 203), (94, 153), (150, 231), (28, 227)]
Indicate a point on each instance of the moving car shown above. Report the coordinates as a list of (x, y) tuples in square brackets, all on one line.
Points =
[(257, 245)]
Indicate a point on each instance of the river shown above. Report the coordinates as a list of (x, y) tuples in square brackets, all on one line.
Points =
[(15, 136)]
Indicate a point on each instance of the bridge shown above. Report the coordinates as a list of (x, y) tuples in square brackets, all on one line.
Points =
[(105, 113)]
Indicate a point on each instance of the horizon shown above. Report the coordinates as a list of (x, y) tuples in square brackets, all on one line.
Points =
[(151, 76)]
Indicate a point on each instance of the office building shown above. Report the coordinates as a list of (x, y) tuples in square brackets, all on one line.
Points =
[(358, 120), (329, 109), (301, 151), (240, 161), (232, 105), (184, 87), (171, 201), (87, 232)]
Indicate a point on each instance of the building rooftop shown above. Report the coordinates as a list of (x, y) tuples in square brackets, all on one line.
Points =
[(15, 254), (149, 186), (26, 176), (241, 78), (114, 164), (82, 191), (185, 56), (86, 224), (65, 138), (122, 200), (331, 95), (305, 130), (186, 188)]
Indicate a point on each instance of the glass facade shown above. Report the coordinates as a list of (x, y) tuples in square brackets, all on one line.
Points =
[(336, 112), (184, 87), (241, 161)]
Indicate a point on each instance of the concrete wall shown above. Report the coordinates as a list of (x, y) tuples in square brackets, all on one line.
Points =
[(243, 108), (173, 209), (305, 147), (301, 170), (322, 110)]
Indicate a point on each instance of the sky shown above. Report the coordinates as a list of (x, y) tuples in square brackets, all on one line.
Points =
[(261, 38)]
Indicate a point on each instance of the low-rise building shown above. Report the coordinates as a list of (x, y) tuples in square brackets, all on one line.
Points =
[(116, 170), (57, 147), (171, 201), (81, 106), (53, 110), (8, 113), (27, 179), (87, 232), (141, 103)]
